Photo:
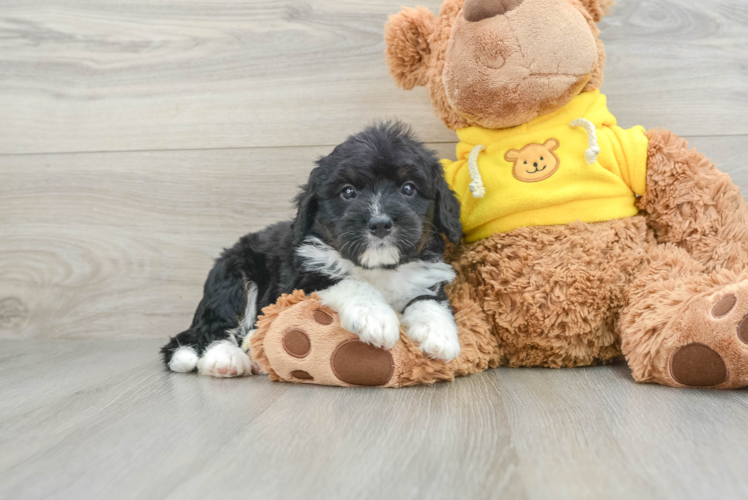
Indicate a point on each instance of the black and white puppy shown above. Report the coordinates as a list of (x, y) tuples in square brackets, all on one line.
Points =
[(368, 237)]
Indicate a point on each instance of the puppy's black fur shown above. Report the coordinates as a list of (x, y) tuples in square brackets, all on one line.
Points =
[(375, 165)]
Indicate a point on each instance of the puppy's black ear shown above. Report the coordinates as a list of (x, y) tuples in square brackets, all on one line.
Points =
[(307, 205), (447, 212)]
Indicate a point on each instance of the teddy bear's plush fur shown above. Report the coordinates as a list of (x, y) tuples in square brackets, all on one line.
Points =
[(667, 288)]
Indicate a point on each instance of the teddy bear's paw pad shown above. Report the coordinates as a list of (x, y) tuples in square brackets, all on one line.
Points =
[(322, 317), (296, 343), (725, 311), (357, 363), (724, 306), (743, 330), (697, 365), (301, 375)]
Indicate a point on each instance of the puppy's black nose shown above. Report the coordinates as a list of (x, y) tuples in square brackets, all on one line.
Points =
[(380, 226), (478, 10)]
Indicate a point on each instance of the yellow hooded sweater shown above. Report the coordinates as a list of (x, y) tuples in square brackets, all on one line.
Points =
[(574, 164)]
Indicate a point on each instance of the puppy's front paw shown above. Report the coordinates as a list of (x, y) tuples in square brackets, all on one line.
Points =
[(433, 328), (224, 359), (375, 324), (437, 341)]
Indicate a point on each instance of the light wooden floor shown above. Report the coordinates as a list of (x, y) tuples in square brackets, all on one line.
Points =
[(139, 138), (102, 420)]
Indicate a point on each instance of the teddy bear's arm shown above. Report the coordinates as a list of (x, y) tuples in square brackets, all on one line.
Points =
[(690, 203)]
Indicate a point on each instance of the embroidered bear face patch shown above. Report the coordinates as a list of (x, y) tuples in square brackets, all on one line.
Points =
[(534, 162)]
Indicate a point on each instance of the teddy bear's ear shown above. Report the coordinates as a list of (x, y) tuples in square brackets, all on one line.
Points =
[(598, 8), (512, 155), (406, 35), (551, 144)]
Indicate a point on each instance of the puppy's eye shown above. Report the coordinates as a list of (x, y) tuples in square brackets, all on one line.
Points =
[(409, 189), (348, 193)]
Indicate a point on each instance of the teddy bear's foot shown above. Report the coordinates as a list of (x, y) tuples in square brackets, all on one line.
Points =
[(307, 345), (299, 340), (707, 345)]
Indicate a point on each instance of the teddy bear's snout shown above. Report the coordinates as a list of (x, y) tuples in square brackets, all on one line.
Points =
[(478, 10)]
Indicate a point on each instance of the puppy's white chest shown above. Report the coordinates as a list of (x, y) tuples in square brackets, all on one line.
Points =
[(400, 286)]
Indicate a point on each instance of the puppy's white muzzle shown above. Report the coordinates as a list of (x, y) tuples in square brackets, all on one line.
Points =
[(380, 252)]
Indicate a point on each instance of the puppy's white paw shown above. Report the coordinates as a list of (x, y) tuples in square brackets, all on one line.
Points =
[(183, 360), (363, 311), (439, 341), (375, 323), (224, 359), (432, 326)]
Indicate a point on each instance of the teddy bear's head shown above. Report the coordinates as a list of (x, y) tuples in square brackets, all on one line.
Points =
[(498, 63)]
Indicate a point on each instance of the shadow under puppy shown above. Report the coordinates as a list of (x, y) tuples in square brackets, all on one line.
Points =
[(368, 237)]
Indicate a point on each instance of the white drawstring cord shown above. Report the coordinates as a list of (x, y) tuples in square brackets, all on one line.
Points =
[(591, 153), (476, 187)]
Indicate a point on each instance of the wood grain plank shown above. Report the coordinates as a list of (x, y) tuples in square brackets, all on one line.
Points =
[(96, 439), (117, 245), (678, 64), (82, 231), (594, 433), (61, 369), (145, 433), (186, 74), (136, 431), (183, 74), (429, 442)]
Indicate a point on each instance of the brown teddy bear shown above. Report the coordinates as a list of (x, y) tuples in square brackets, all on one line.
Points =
[(583, 241)]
